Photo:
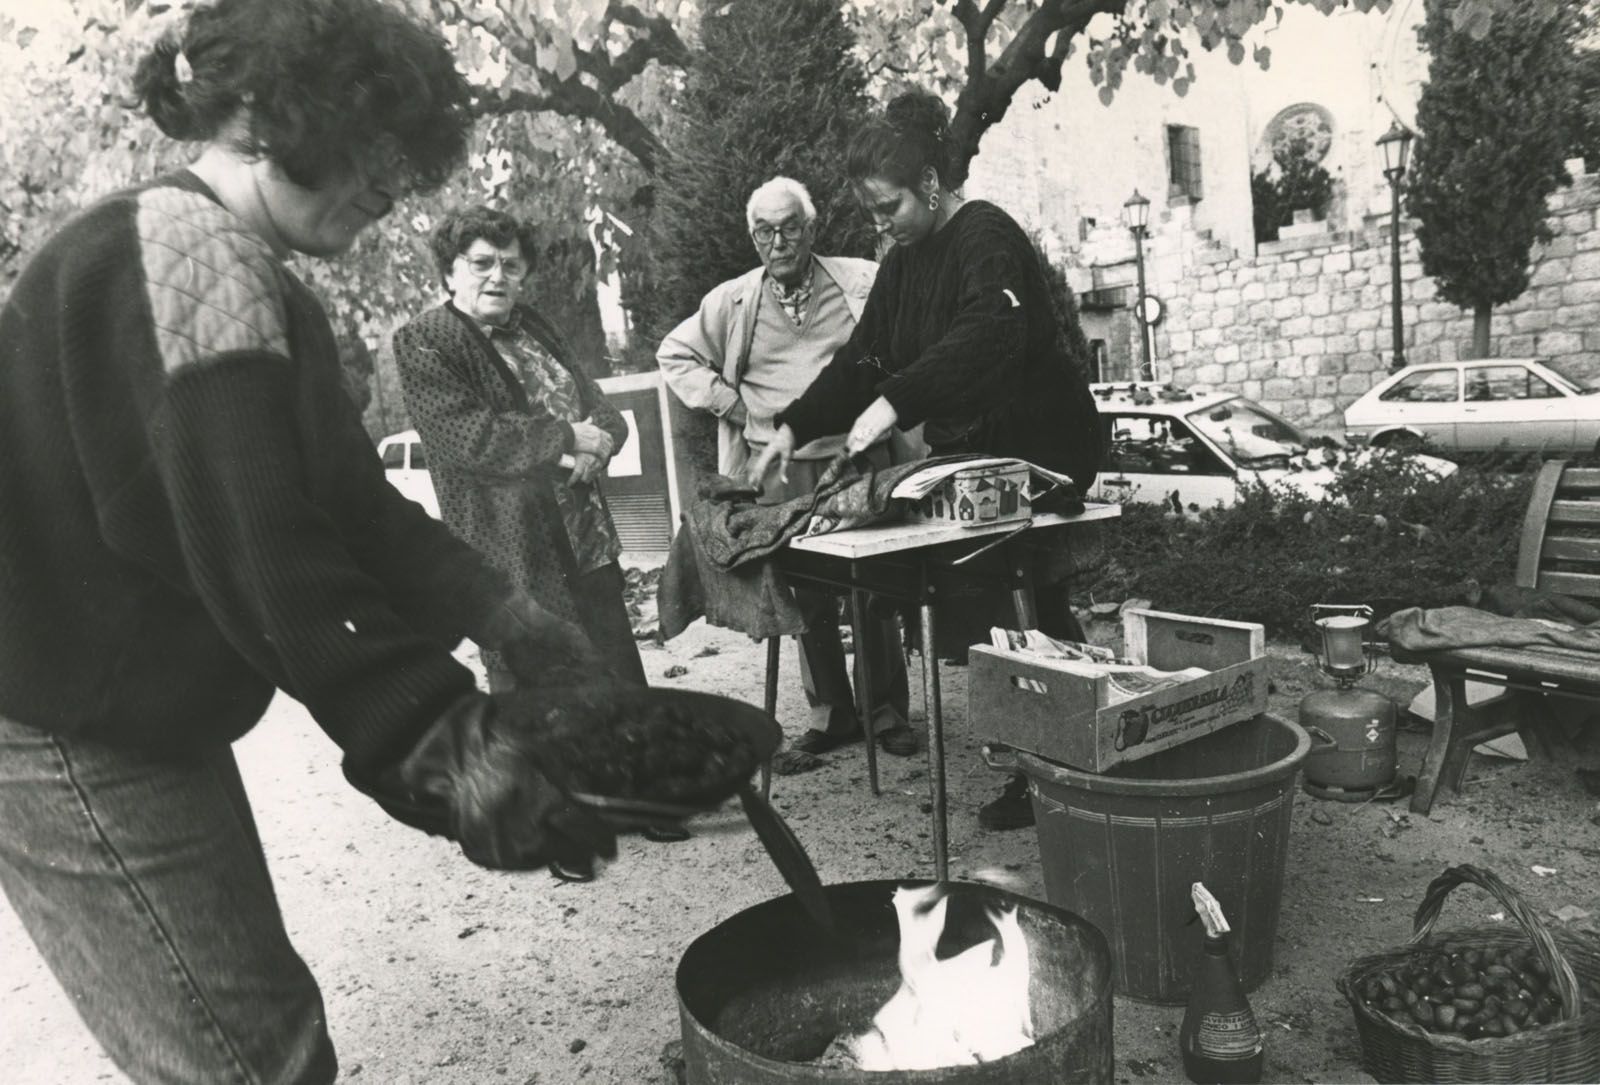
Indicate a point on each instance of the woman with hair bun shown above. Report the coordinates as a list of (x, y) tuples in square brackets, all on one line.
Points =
[(958, 335), (194, 519)]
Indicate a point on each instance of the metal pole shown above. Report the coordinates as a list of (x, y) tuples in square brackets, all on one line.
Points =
[(930, 695), (1398, 359), (859, 632), (1147, 373), (770, 703)]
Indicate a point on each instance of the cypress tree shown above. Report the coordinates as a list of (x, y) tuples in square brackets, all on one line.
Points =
[(1496, 127), (775, 89)]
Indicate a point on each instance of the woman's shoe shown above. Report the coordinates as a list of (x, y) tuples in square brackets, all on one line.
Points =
[(665, 834), (815, 741), (572, 872)]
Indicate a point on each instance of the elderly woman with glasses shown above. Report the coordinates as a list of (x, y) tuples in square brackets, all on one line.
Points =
[(517, 434)]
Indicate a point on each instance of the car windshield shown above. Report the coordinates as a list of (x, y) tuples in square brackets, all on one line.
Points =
[(1248, 434), (1579, 385)]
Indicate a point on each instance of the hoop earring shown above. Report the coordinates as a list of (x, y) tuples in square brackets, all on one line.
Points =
[(933, 200)]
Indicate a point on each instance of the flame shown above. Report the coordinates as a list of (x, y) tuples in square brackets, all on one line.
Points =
[(968, 1009)]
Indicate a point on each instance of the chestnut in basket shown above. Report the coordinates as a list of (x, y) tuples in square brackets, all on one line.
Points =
[(1470, 993)]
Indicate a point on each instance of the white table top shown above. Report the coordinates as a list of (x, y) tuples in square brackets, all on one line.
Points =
[(866, 542)]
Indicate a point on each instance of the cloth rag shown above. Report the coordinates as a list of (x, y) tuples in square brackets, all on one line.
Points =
[(1442, 628)]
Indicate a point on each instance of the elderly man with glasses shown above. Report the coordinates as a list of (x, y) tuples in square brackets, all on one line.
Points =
[(754, 345), (517, 434)]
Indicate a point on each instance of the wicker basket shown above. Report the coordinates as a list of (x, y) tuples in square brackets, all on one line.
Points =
[(1567, 1049)]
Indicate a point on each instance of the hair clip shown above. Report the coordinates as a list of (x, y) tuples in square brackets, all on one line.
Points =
[(182, 69)]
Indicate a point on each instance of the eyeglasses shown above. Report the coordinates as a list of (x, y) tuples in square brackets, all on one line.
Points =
[(791, 232), (483, 266)]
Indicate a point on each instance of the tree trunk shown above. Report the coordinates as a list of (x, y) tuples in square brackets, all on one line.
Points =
[(1480, 330)]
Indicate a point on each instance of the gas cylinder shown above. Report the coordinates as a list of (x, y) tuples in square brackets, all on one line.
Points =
[(1352, 742)]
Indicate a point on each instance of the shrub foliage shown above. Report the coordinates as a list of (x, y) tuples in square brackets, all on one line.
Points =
[(1388, 535)]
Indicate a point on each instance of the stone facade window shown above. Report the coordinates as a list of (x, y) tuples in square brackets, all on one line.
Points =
[(1097, 359), (1183, 162)]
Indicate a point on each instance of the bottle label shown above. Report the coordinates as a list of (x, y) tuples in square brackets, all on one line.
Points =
[(1228, 1035)]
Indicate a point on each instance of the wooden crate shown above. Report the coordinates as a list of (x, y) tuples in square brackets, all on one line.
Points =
[(1037, 706)]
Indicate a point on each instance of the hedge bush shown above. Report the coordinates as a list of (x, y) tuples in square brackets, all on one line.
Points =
[(1388, 535)]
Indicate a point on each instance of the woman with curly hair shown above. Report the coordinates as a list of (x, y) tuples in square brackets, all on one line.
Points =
[(500, 402), (959, 335), (194, 519)]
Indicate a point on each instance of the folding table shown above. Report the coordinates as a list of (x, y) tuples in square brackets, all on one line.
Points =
[(914, 563)]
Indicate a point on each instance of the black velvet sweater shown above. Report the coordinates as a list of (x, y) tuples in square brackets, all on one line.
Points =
[(191, 514), (958, 333)]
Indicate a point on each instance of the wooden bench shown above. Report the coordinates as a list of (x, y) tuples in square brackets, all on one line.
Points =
[(1559, 552)]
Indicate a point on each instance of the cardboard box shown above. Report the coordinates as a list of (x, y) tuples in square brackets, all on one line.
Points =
[(1028, 703), (976, 496)]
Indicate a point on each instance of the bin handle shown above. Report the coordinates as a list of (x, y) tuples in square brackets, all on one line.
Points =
[(998, 756)]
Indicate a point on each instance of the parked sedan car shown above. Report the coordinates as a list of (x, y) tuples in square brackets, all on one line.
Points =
[(1519, 404), (1196, 448), (407, 468)]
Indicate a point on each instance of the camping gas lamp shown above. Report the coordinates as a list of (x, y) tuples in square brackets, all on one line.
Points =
[(1352, 730)]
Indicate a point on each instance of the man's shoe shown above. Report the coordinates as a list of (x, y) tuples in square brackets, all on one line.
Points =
[(900, 741), (815, 742), (1011, 810), (665, 834)]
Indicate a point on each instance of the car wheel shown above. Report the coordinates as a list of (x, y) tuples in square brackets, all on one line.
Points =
[(1403, 441)]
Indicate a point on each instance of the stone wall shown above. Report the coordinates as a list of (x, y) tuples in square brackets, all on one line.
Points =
[(1304, 325)]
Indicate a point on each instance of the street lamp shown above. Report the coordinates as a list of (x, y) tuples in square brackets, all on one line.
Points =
[(1396, 147), (1136, 216)]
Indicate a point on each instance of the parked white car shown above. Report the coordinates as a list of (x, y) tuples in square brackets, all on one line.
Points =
[(1518, 404), (1197, 447), (407, 468)]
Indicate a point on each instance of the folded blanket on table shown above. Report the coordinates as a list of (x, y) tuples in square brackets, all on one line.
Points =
[(717, 564), (1514, 601), (1417, 630)]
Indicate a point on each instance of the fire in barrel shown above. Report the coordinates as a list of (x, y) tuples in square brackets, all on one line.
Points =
[(946, 983)]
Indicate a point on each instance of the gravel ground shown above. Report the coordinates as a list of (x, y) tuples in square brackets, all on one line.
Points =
[(435, 971)]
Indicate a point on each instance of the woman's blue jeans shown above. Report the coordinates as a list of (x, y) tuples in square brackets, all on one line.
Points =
[(144, 885)]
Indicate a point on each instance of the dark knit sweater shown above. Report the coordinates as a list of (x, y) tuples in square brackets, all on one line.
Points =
[(190, 511), (958, 333)]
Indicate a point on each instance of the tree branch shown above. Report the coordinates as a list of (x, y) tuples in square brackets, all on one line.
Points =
[(657, 40), (670, 48), (975, 25), (574, 98), (988, 93)]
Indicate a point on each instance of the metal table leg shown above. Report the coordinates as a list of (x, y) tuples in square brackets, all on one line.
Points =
[(1022, 600), (858, 628), (770, 703), (930, 693)]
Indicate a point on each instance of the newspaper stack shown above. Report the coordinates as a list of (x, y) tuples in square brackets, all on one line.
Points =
[(1125, 679)]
